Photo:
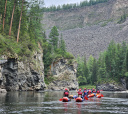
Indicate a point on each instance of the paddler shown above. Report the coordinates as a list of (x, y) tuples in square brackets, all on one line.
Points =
[(84, 92), (79, 93), (94, 91), (66, 92), (98, 92)]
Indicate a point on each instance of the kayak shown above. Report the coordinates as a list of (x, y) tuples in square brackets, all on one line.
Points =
[(78, 99), (65, 99)]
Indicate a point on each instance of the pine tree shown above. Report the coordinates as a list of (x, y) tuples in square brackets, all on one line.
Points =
[(62, 46), (12, 18), (4, 15), (94, 72), (20, 22), (54, 37)]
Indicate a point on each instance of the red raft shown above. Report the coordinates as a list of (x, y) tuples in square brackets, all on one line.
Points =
[(98, 96), (65, 99), (91, 95), (78, 99)]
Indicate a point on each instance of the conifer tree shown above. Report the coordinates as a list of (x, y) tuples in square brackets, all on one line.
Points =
[(54, 37), (12, 18), (4, 15), (62, 45), (20, 22)]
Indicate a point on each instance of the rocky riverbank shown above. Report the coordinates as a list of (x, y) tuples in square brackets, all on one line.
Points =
[(22, 75), (64, 75)]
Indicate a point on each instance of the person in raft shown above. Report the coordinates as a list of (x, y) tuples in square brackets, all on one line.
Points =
[(94, 91), (66, 92), (85, 92), (79, 93), (89, 92), (98, 92)]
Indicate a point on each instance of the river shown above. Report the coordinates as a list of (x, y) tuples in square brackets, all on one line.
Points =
[(47, 102)]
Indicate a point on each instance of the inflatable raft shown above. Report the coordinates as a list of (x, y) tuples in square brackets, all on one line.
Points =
[(98, 96), (65, 99), (91, 95), (78, 99)]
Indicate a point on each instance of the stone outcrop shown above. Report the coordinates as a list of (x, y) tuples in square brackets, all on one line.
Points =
[(23, 75), (64, 74), (113, 86), (3, 90)]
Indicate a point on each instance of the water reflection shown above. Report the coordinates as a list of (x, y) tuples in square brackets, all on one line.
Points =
[(48, 103)]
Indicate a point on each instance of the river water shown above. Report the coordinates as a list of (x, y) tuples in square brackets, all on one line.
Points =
[(47, 102)]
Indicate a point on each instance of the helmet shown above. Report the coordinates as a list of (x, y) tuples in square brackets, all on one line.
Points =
[(79, 89), (98, 91), (85, 88), (66, 89), (89, 91)]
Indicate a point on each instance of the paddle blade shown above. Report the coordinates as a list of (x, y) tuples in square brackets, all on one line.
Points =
[(86, 97), (60, 99), (102, 95)]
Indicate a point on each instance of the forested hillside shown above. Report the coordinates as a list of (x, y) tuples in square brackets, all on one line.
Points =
[(90, 30), (111, 65), (21, 33), (20, 30)]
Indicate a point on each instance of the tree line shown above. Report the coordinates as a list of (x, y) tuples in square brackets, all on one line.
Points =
[(21, 33), (20, 23), (71, 6), (112, 65)]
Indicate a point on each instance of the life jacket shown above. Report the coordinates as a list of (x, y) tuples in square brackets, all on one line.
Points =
[(79, 93), (93, 91), (85, 92), (66, 93)]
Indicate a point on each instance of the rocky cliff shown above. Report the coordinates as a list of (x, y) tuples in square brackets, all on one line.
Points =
[(90, 29), (22, 75), (64, 74), (29, 74)]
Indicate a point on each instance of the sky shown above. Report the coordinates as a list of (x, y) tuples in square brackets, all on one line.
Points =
[(48, 3)]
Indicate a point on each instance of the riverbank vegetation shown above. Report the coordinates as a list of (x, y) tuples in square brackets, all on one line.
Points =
[(21, 33), (20, 28), (111, 66), (71, 6)]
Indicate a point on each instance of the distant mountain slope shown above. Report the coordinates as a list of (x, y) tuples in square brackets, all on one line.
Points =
[(89, 30), (91, 40)]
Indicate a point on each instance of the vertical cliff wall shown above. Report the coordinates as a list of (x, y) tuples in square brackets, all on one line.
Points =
[(23, 75), (64, 74)]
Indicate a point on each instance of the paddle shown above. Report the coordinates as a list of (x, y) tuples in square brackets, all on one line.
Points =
[(102, 95), (85, 97), (61, 99)]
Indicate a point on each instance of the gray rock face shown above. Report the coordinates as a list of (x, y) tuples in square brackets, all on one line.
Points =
[(15, 75), (3, 91), (111, 87), (64, 75)]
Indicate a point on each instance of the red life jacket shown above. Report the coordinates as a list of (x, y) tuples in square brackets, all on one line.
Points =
[(85, 91), (94, 91), (79, 93), (66, 93)]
